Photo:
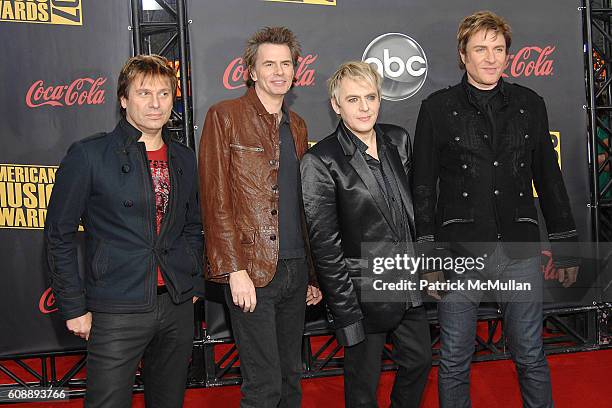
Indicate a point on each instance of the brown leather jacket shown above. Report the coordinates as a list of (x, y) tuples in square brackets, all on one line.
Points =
[(238, 164)]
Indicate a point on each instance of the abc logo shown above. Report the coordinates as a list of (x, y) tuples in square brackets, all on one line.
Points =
[(401, 62)]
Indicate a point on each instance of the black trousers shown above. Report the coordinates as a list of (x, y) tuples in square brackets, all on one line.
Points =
[(269, 340), (411, 352), (163, 338)]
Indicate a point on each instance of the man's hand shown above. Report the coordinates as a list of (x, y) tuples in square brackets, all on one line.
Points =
[(567, 276), (243, 291), (80, 326), (433, 277), (313, 295)]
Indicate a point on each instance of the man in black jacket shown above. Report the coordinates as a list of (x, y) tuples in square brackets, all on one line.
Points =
[(135, 191), (358, 205), (481, 143)]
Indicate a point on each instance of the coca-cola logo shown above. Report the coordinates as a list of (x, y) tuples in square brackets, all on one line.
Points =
[(82, 91), (530, 61), (236, 74), (46, 304)]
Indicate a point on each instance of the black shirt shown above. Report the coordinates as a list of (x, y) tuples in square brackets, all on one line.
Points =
[(381, 169), (291, 240), (488, 101)]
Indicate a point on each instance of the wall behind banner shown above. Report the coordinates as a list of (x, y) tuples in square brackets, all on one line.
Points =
[(546, 55), (59, 70)]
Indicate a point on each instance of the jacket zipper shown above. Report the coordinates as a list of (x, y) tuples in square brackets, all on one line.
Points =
[(149, 200), (248, 148)]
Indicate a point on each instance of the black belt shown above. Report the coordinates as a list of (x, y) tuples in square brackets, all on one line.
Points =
[(162, 289)]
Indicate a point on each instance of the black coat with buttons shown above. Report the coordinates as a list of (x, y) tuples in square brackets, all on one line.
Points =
[(472, 187), (104, 182)]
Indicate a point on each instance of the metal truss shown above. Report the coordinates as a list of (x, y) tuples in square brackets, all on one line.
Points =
[(160, 27), (566, 330)]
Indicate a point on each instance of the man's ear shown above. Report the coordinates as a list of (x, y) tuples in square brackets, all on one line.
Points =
[(334, 105)]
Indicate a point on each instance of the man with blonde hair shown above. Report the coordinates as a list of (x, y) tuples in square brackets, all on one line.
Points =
[(356, 190), (478, 146)]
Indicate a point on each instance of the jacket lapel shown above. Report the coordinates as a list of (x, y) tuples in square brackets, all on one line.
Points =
[(402, 180), (361, 168)]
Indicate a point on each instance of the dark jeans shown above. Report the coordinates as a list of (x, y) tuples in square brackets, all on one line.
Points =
[(269, 340), (522, 314), (411, 352), (163, 338)]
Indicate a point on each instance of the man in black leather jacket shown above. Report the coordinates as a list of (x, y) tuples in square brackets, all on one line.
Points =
[(135, 191), (356, 191), (481, 143)]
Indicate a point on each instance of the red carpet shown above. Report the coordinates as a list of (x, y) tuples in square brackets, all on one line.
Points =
[(579, 380)]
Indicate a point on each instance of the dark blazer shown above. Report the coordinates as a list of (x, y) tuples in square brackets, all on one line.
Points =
[(485, 182), (344, 209), (104, 182)]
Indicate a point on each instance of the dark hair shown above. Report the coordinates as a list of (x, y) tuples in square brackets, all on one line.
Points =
[(147, 65), (270, 35)]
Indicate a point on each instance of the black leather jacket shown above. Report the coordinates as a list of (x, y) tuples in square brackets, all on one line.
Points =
[(104, 181), (342, 213), (485, 187)]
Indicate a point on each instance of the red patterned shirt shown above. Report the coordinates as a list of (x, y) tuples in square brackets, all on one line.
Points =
[(158, 162)]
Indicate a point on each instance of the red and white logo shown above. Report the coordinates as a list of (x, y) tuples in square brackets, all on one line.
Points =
[(82, 91), (46, 304), (530, 61), (235, 74)]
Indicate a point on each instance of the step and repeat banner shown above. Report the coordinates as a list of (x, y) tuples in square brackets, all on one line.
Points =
[(413, 45), (60, 65), (60, 62)]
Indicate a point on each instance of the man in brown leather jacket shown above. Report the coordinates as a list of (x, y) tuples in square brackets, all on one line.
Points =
[(254, 220)]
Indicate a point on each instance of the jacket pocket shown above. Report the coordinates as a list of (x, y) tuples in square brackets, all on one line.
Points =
[(455, 215), (256, 149), (247, 236), (526, 214), (99, 263)]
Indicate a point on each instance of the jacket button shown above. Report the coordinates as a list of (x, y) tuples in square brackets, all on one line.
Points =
[(464, 166), (455, 113), (275, 187), (485, 136), (272, 162), (526, 136), (465, 194), (522, 164), (273, 212), (479, 113), (128, 203), (521, 194), (522, 110), (457, 139), (496, 192), (496, 163), (125, 168), (272, 237)]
